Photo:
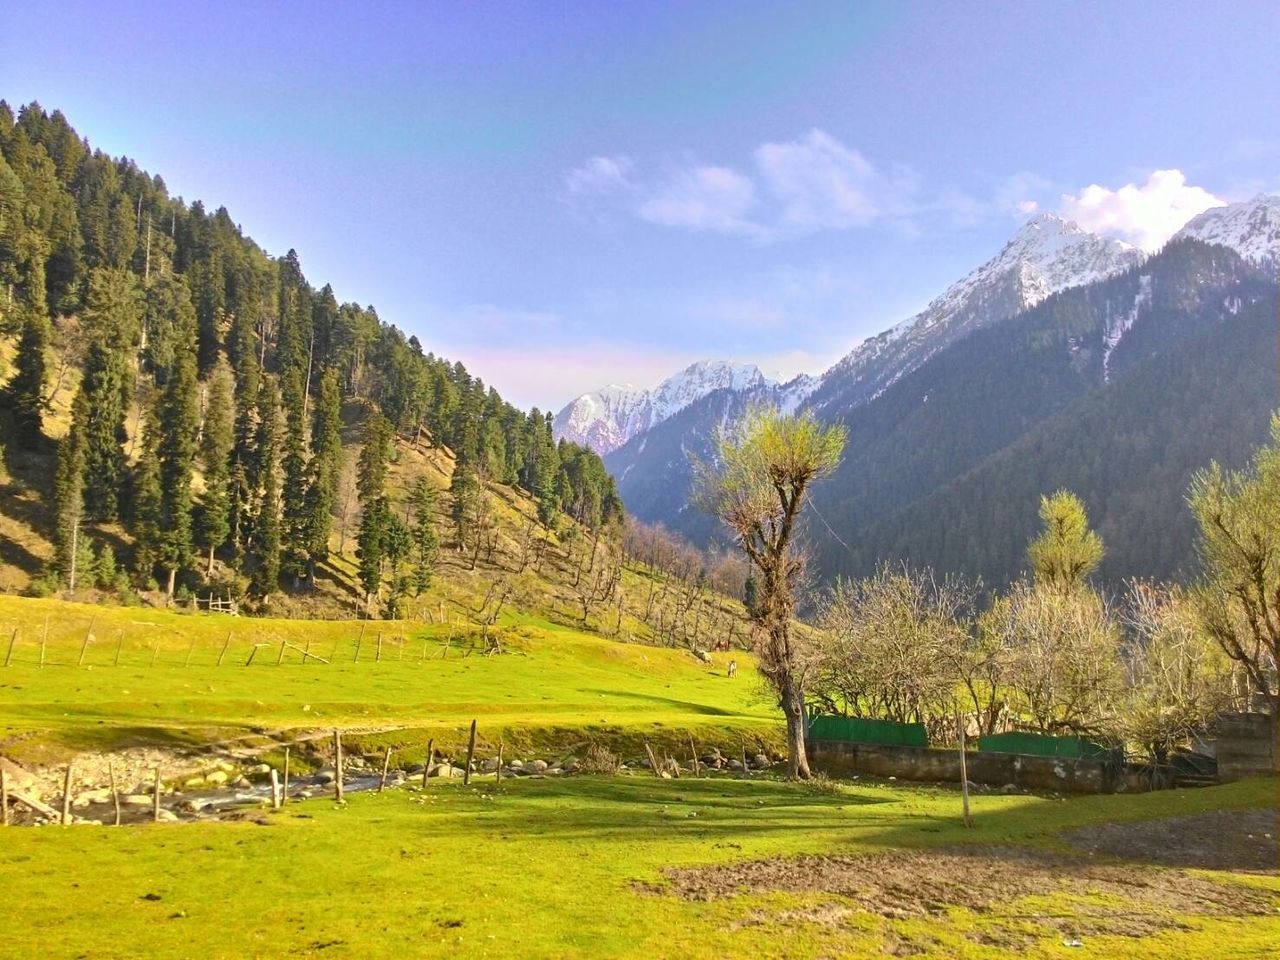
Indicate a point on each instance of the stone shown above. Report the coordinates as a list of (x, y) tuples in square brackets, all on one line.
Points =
[(759, 761), (489, 764), (734, 764), (515, 764), (538, 766), (325, 776), (570, 766), (259, 770), (217, 778), (167, 816), (242, 783), (137, 800), (193, 782), (90, 797)]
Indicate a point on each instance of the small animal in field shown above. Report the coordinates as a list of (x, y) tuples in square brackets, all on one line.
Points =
[(733, 668)]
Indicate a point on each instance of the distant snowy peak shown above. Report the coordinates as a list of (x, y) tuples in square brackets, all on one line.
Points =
[(606, 419), (1251, 228), (1047, 255)]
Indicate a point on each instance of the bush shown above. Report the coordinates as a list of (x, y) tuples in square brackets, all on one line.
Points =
[(599, 759)]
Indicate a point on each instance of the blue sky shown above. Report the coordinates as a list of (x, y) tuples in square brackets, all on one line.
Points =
[(564, 195)]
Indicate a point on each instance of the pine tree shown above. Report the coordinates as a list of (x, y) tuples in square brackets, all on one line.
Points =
[(425, 542), (217, 443), (24, 394), (1067, 551), (295, 521), (465, 490), (375, 513), (68, 491), (179, 423), (111, 321), (397, 543), (147, 501), (267, 526), (325, 469)]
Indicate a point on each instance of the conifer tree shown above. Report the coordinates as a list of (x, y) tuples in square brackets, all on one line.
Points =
[(267, 526), (375, 513), (217, 443), (325, 469), (295, 521), (1067, 551), (147, 501), (425, 545), (68, 491), (465, 490), (24, 394), (179, 422)]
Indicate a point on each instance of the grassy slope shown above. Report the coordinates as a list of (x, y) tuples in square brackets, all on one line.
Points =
[(552, 688), (546, 869)]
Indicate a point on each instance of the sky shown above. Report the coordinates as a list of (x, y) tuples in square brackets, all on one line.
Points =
[(566, 195)]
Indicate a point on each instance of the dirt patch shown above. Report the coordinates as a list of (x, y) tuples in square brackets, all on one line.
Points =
[(1090, 898), (1246, 841)]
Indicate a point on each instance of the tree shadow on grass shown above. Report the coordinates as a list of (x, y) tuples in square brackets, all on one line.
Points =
[(687, 706)]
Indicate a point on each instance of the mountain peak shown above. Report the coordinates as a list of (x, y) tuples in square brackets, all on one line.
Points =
[(1251, 228), (607, 418)]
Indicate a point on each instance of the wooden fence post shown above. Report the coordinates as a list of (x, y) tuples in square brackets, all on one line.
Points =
[(337, 764), (4, 799), (431, 753), (359, 640), (66, 797), (191, 648), (275, 789), (378, 656), (284, 789), (155, 652), (693, 751), (745, 769), (13, 638), (115, 661), (155, 810), (499, 769), (283, 645), (225, 643), (471, 753), (115, 794), (386, 765), (653, 761), (964, 773), (44, 640), (88, 635)]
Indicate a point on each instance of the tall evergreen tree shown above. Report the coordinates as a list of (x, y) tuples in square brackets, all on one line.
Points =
[(68, 491), (217, 443), (179, 423), (1067, 551), (325, 469), (374, 511), (425, 545), (267, 521), (24, 394)]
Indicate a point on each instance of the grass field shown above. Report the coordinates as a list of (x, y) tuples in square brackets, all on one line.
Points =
[(558, 867), (551, 689), (564, 868)]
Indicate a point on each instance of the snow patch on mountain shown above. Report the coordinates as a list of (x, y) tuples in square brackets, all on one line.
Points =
[(1117, 327), (1048, 255), (1250, 228), (606, 419)]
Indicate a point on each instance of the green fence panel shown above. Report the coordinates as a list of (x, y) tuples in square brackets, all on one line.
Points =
[(867, 730), (1043, 745)]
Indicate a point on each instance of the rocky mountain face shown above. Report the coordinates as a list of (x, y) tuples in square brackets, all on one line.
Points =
[(1251, 229)]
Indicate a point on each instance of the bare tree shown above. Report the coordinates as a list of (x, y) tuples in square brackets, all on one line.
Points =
[(757, 486), (1178, 679), (1238, 599)]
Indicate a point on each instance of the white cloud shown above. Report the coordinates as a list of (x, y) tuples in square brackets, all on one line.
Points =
[(1146, 215), (704, 198), (600, 175), (819, 182)]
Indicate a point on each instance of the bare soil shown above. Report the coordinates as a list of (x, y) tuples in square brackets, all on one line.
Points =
[(1105, 898), (1245, 841)]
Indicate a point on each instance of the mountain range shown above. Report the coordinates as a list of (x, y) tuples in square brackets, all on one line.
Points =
[(1061, 329)]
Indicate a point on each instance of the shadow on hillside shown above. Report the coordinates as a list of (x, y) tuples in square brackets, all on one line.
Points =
[(684, 705)]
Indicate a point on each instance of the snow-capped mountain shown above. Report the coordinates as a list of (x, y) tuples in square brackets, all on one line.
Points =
[(1046, 256), (1251, 228), (606, 419)]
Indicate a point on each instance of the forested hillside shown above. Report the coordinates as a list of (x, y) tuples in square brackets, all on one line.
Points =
[(173, 390)]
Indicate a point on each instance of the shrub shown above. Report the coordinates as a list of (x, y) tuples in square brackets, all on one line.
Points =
[(599, 759)]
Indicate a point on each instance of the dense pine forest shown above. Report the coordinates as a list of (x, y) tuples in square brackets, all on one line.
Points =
[(210, 385)]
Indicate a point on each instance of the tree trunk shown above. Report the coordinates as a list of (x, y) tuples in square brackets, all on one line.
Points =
[(793, 709), (173, 577)]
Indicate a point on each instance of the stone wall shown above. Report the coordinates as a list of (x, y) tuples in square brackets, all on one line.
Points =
[(1246, 745), (1025, 772)]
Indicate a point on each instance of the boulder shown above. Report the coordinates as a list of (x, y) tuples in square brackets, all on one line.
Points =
[(759, 762), (242, 783), (515, 764), (259, 770), (734, 764), (325, 776), (167, 816), (91, 797), (538, 766), (217, 778), (137, 800)]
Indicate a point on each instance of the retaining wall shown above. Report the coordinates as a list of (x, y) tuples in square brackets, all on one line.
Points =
[(1245, 745), (1025, 772)]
